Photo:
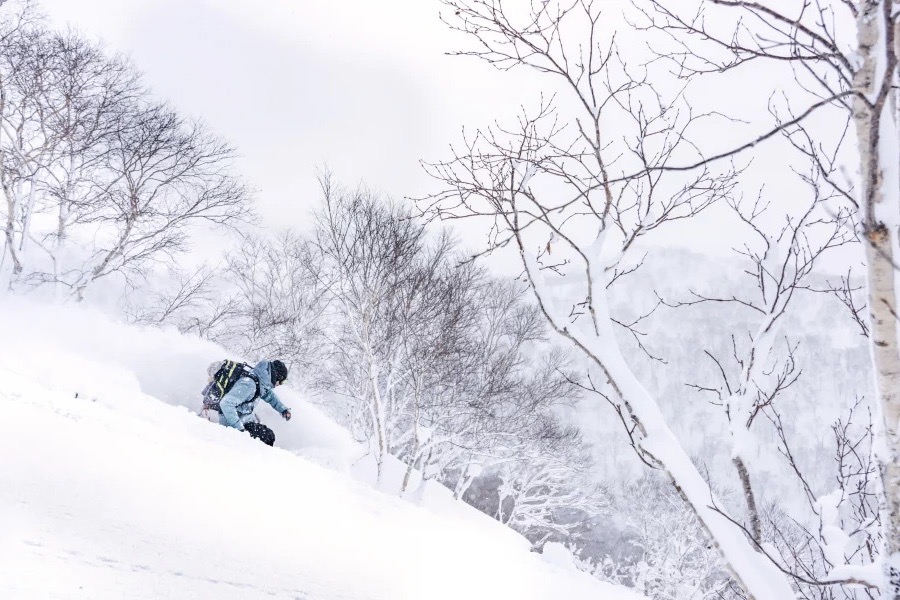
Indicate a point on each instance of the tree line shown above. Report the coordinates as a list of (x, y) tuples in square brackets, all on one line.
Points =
[(98, 177)]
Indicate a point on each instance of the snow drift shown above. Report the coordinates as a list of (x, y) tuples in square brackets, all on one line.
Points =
[(111, 487)]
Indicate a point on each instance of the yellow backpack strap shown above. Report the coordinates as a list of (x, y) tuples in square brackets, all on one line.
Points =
[(222, 380)]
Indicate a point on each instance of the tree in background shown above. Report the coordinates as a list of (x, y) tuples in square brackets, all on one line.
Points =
[(97, 176), (438, 365), (668, 556), (576, 182), (779, 255), (368, 250), (841, 62), (572, 190)]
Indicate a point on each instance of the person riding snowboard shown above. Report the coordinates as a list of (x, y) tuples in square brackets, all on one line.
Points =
[(237, 405)]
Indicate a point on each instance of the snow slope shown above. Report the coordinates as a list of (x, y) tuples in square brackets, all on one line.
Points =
[(107, 492)]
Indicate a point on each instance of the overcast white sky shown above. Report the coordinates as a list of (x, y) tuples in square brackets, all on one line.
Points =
[(363, 86)]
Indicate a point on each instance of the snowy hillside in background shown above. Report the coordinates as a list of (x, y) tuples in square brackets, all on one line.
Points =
[(107, 492), (831, 353)]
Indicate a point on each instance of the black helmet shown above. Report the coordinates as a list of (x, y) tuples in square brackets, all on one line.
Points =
[(278, 371)]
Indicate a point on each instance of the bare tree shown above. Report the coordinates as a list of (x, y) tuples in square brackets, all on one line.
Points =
[(844, 59), (89, 92), (670, 558), (779, 256), (275, 285), (461, 412), (546, 491), (26, 145), (483, 408), (123, 177), (63, 97), (487, 400), (368, 249), (574, 191), (840, 544), (197, 301), (162, 175), (433, 357), (437, 319)]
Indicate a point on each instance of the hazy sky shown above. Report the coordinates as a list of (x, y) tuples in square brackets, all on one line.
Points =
[(362, 86)]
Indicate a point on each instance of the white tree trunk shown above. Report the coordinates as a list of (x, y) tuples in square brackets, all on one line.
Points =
[(416, 443), (877, 137), (62, 232), (377, 414), (10, 234), (28, 212)]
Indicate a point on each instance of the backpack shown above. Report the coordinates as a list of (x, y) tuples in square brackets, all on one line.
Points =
[(223, 380)]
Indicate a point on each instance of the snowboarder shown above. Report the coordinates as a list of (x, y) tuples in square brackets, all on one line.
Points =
[(234, 389)]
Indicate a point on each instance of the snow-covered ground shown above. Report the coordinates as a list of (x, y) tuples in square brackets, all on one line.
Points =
[(111, 487)]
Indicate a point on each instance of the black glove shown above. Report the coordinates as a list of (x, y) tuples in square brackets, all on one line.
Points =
[(286, 414)]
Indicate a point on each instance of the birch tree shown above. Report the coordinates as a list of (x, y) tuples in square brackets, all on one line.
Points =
[(122, 178), (843, 58), (779, 255), (163, 174), (433, 358), (89, 91), (274, 287), (573, 190), (26, 142), (63, 96), (368, 248), (437, 319)]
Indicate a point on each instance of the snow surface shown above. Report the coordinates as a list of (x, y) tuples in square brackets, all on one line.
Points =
[(107, 492)]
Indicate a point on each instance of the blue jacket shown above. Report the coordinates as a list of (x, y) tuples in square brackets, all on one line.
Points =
[(238, 404)]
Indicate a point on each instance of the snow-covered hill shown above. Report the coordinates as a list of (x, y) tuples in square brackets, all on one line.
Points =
[(110, 487)]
